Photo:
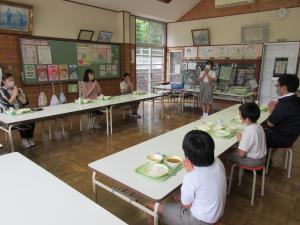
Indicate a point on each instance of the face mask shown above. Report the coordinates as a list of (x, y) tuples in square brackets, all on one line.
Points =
[(11, 84), (277, 91), (207, 67)]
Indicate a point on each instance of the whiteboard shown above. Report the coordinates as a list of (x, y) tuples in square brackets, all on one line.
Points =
[(271, 52)]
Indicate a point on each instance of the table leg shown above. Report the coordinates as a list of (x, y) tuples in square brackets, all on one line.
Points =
[(94, 186), (143, 109), (156, 221), (107, 121), (110, 115), (162, 106), (10, 137), (182, 101)]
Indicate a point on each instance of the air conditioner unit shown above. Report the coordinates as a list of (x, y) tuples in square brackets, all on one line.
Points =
[(230, 3)]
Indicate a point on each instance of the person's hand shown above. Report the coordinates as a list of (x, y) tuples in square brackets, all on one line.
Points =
[(239, 136), (271, 105), (188, 165), (15, 91), (22, 99)]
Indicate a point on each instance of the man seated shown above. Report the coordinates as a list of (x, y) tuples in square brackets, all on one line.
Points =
[(284, 121)]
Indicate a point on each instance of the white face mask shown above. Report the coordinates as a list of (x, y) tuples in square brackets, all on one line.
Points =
[(207, 67), (11, 84)]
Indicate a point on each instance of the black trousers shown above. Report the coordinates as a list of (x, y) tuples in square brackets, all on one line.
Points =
[(26, 130)]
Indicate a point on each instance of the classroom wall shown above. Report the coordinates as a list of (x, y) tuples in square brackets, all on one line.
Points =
[(227, 30), (57, 18), (60, 19)]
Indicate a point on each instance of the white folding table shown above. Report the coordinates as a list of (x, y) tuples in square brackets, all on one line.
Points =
[(8, 122), (29, 195), (120, 166)]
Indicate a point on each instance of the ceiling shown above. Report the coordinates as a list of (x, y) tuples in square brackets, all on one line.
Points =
[(154, 9)]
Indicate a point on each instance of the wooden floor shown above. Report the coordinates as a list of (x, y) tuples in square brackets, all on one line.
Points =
[(68, 158)]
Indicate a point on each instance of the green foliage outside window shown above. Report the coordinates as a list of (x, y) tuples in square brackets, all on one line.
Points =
[(149, 32)]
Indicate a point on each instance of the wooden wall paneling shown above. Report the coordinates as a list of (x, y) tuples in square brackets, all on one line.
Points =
[(206, 9)]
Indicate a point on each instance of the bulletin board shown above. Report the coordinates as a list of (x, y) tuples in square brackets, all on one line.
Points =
[(52, 61), (287, 53)]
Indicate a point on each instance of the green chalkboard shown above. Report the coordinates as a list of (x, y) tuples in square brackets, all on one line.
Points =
[(50, 61)]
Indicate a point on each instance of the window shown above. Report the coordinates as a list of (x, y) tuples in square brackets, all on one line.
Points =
[(175, 66), (150, 57), (149, 67), (150, 32)]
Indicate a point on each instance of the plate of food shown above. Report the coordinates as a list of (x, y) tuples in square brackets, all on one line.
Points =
[(222, 133), (217, 127), (155, 170), (231, 128), (25, 110), (105, 98)]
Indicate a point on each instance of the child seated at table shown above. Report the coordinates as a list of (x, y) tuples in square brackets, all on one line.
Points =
[(203, 190), (126, 87), (252, 149)]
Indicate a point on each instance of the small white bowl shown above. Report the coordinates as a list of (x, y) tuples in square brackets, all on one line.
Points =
[(173, 161), (155, 158)]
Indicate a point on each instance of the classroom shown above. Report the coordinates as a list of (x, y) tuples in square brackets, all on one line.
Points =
[(149, 112)]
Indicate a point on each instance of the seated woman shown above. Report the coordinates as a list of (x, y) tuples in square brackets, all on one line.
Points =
[(13, 97), (91, 90), (126, 87)]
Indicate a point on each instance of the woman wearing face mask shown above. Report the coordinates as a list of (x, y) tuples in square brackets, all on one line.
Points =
[(13, 97), (207, 78)]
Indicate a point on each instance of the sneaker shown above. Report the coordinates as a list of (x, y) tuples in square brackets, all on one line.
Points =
[(25, 143), (31, 142)]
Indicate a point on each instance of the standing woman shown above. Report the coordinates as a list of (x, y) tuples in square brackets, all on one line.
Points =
[(91, 90), (207, 78), (13, 97)]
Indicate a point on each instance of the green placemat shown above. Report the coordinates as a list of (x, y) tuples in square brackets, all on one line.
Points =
[(232, 134), (172, 172)]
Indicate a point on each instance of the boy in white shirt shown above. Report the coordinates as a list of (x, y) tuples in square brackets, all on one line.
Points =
[(252, 149), (203, 190)]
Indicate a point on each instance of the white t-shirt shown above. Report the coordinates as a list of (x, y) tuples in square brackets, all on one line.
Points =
[(123, 86), (211, 73), (205, 189), (254, 141)]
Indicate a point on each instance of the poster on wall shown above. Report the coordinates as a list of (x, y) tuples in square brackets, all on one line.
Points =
[(29, 54), (95, 53), (83, 55), (220, 52), (236, 51), (41, 73), (108, 70), (29, 71), (280, 66), (190, 52), (225, 73), (44, 54), (102, 69), (53, 73), (114, 69), (63, 72), (73, 71), (205, 52), (253, 51)]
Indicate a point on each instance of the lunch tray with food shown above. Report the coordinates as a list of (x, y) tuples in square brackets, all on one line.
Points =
[(158, 171), (226, 131)]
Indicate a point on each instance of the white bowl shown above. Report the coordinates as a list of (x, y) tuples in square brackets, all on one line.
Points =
[(155, 158), (173, 161)]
